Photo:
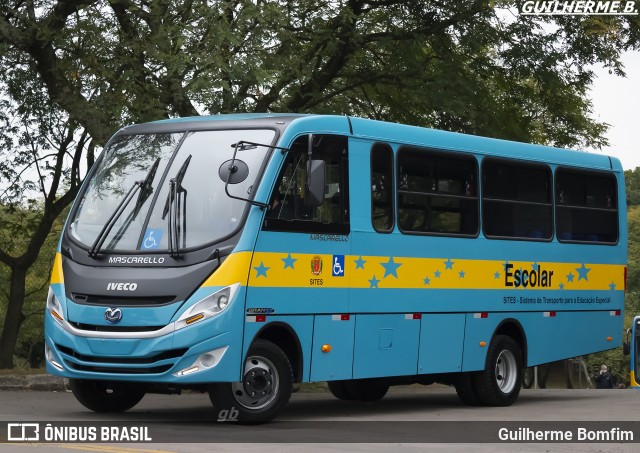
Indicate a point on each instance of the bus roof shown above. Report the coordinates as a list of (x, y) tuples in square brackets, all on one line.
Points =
[(396, 133)]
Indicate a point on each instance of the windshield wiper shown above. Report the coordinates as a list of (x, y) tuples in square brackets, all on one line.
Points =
[(102, 235), (176, 206), (144, 194), (146, 190)]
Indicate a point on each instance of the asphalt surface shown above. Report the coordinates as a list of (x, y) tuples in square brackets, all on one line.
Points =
[(412, 418)]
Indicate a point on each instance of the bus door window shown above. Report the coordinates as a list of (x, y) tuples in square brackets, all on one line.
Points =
[(287, 209)]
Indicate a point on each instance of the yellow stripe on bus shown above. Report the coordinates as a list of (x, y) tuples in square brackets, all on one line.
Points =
[(301, 270), (56, 272)]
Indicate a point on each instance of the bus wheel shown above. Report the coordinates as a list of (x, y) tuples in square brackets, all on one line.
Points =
[(499, 384), (339, 390), (265, 388), (104, 396), (528, 378), (366, 389), (466, 389)]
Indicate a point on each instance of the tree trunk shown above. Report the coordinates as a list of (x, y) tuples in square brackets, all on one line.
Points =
[(14, 317)]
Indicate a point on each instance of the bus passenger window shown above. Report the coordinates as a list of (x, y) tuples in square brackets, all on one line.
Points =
[(437, 192), (382, 188), (586, 206), (516, 200)]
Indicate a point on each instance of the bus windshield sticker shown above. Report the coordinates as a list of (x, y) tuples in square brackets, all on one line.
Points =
[(152, 238)]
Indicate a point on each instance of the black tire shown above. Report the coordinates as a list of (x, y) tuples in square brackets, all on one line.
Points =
[(339, 390), (466, 389), (366, 389), (500, 382), (105, 396), (528, 377), (264, 390)]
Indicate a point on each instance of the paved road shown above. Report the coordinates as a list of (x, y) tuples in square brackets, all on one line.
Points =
[(408, 416)]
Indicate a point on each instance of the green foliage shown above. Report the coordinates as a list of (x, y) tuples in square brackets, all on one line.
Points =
[(470, 66), (30, 346), (632, 182), (615, 359)]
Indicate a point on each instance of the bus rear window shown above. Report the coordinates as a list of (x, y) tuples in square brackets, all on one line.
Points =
[(586, 207)]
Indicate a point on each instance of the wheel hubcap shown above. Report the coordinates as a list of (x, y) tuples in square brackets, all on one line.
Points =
[(259, 385), (506, 371)]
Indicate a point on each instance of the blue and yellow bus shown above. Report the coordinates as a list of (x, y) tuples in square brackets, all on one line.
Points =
[(240, 254), (631, 347)]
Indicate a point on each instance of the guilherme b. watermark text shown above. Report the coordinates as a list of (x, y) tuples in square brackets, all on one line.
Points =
[(579, 8)]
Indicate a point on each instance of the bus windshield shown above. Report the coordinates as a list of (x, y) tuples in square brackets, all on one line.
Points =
[(194, 159)]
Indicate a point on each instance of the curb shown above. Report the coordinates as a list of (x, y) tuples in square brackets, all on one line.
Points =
[(36, 382)]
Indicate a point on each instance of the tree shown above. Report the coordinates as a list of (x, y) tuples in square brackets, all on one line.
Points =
[(87, 67), (40, 156), (632, 183)]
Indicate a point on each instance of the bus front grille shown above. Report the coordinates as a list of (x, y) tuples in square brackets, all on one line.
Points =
[(105, 364), (129, 301), (170, 354), (98, 328), (115, 370)]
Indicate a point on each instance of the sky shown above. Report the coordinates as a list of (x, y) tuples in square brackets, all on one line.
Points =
[(616, 101)]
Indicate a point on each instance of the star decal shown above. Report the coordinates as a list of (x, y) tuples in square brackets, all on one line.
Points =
[(374, 282), (360, 263), (390, 268), (261, 270), (436, 274), (461, 274), (496, 275), (561, 286), (570, 277), (535, 266), (289, 261), (427, 280), (612, 286), (449, 264), (582, 272)]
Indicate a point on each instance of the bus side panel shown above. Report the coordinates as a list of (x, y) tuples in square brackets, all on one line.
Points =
[(336, 331), (385, 345), (550, 335), (441, 341), (301, 326), (570, 334)]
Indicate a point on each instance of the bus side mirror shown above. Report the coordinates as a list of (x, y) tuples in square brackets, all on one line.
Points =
[(314, 195)]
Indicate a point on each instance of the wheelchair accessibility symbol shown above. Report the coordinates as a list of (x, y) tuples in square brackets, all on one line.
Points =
[(338, 266), (152, 239)]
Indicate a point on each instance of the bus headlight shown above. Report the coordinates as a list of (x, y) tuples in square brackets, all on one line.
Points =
[(208, 307), (54, 307)]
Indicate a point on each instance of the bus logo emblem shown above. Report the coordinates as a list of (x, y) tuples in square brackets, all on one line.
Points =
[(113, 315), (316, 265)]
